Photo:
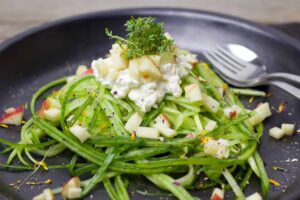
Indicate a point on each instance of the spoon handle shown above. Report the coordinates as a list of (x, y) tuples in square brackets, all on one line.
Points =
[(287, 87), (287, 76)]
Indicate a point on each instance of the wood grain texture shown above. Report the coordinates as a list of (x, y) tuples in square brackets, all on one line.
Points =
[(19, 15)]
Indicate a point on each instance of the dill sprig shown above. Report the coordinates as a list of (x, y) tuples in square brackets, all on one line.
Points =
[(144, 37)]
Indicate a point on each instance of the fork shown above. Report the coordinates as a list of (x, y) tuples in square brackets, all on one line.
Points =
[(247, 72)]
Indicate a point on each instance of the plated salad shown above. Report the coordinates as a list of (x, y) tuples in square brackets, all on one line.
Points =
[(148, 108)]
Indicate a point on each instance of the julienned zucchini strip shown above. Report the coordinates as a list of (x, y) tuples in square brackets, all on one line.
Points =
[(114, 150)]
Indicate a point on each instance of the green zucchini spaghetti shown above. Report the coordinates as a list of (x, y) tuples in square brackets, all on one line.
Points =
[(149, 108)]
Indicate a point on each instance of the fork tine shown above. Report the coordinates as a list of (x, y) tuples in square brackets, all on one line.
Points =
[(234, 62), (247, 66), (219, 64), (225, 60), (235, 59)]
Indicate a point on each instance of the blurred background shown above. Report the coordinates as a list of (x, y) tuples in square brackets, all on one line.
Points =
[(19, 15)]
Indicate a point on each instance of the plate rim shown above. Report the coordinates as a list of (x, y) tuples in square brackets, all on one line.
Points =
[(167, 11), (258, 27)]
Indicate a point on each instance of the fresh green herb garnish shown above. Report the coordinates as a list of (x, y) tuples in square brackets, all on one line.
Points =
[(144, 37)]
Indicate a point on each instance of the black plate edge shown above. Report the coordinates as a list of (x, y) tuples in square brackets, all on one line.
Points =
[(269, 31), (169, 11)]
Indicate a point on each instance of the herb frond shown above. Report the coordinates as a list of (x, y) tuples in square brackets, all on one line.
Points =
[(144, 37)]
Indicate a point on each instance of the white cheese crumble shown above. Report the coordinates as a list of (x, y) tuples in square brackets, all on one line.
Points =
[(144, 92)]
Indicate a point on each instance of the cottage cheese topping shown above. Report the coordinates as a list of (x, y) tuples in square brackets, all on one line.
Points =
[(144, 91)]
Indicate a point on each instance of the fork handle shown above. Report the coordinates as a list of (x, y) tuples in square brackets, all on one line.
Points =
[(287, 76), (287, 87)]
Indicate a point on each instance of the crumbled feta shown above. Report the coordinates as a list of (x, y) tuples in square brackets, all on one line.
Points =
[(146, 96), (144, 91)]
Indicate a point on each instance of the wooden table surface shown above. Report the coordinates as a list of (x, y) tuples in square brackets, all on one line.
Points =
[(19, 15)]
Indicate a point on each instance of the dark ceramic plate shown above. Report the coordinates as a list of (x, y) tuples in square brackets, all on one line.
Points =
[(40, 55)]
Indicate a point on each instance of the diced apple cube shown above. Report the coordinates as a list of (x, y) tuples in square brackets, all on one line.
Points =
[(193, 93), (262, 112), (39, 197), (81, 69), (74, 193), (47, 104), (155, 59), (53, 103), (161, 118), (72, 183), (265, 109), (118, 58), (288, 129), (167, 58), (70, 78), (133, 122), (210, 125), (217, 148), (276, 133), (221, 91), (48, 194), (102, 66), (211, 147), (165, 130), (217, 194), (256, 119), (52, 114), (255, 196), (148, 69), (232, 111), (133, 68), (212, 104), (146, 132), (13, 116), (81, 133), (89, 71)]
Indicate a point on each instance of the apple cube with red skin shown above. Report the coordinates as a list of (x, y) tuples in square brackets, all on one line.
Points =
[(48, 104), (45, 106), (161, 118), (83, 70), (13, 116), (87, 72), (217, 194), (190, 136)]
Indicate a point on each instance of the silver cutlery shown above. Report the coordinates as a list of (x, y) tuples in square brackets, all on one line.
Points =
[(242, 67)]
